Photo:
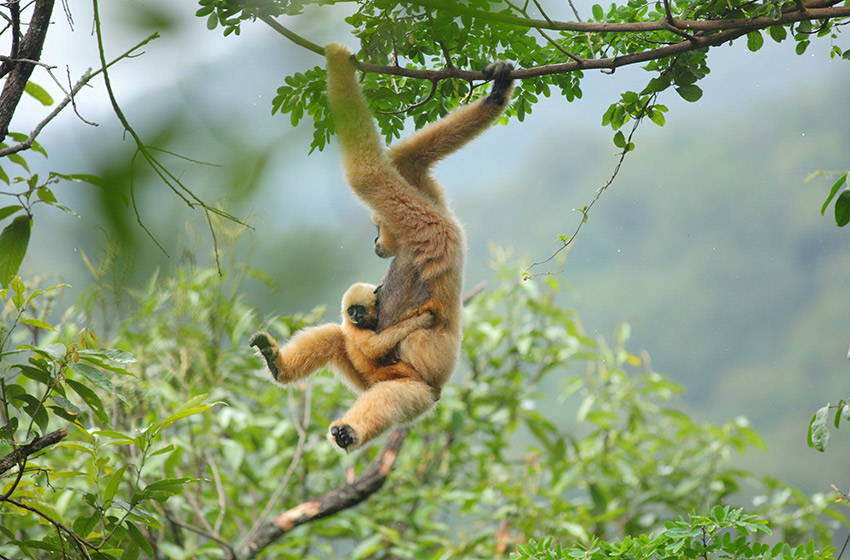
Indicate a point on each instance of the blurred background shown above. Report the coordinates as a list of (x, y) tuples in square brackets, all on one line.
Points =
[(709, 242)]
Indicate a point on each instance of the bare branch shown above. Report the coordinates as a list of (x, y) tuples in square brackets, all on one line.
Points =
[(20, 72), (344, 497), (24, 451)]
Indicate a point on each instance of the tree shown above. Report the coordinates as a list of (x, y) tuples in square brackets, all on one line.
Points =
[(421, 58), (173, 446)]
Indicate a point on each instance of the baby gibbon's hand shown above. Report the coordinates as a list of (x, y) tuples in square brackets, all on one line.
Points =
[(429, 318)]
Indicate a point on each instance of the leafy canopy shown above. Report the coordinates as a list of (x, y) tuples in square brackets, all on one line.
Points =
[(421, 58)]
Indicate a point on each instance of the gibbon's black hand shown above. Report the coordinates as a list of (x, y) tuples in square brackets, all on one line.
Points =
[(498, 72), (344, 436), (261, 342)]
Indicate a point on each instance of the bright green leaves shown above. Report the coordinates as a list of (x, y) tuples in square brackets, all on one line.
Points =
[(690, 92), (14, 240), (721, 533), (755, 41), (304, 92), (818, 434), (632, 106), (598, 12), (842, 209), (38, 93), (842, 204)]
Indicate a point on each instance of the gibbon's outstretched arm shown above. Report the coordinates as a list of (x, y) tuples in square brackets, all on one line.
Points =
[(415, 155)]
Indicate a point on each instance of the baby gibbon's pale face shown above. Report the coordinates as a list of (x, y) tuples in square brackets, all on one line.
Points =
[(358, 306)]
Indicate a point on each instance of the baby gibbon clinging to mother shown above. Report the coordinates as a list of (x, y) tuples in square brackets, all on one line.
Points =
[(360, 356), (418, 230)]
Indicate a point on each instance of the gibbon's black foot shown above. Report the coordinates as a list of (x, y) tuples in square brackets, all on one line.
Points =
[(498, 72), (344, 436), (263, 343)]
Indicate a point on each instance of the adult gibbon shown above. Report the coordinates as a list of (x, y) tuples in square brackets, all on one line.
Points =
[(362, 357), (416, 228)]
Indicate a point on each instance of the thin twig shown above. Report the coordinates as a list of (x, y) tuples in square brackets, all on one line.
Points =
[(586, 210), (428, 98)]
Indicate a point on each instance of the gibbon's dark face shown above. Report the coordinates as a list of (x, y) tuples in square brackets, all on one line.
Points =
[(361, 317), (385, 243)]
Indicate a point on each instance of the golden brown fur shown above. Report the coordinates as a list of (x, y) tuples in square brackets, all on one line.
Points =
[(416, 228), (360, 356)]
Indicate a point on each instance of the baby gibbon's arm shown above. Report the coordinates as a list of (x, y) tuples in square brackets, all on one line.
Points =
[(378, 345)]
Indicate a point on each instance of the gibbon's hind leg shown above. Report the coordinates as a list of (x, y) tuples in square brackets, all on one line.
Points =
[(309, 350), (385, 404)]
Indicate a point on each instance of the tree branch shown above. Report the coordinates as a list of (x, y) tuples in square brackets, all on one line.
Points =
[(344, 497), (726, 30), (24, 451), (19, 75)]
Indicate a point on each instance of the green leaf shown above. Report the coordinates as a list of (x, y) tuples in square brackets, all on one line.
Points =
[(657, 117), (94, 375), (112, 485), (161, 490), (180, 415), (39, 324), (690, 93), (137, 537), (842, 209), (754, 41), (7, 211), (90, 398), (79, 178), (39, 93), (46, 195), (13, 246), (598, 13), (777, 33), (832, 192), (620, 139), (818, 436), (113, 355)]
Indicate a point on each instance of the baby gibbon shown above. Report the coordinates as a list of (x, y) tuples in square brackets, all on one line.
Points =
[(415, 227), (360, 356)]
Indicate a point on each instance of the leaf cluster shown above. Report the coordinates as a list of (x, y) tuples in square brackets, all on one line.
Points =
[(542, 432), (721, 533), (441, 40), (100, 469)]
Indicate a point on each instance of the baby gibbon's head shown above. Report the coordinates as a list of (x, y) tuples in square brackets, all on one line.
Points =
[(358, 306)]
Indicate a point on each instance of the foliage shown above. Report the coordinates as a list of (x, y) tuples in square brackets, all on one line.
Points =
[(454, 40), (542, 432), (723, 533), (95, 494), (818, 436), (842, 203)]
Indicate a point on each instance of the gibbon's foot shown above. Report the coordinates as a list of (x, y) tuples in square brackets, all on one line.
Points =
[(268, 348), (498, 72), (344, 436)]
